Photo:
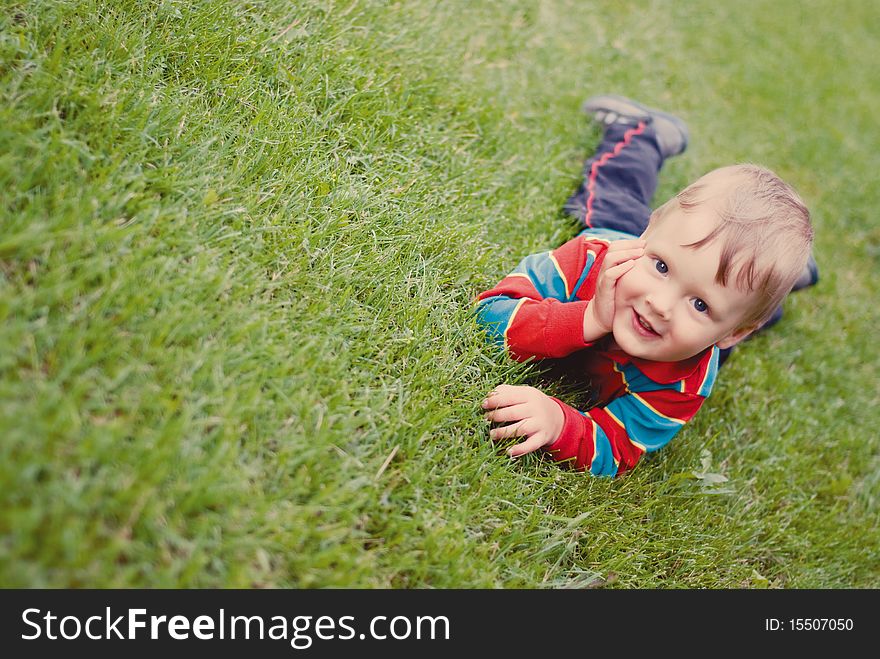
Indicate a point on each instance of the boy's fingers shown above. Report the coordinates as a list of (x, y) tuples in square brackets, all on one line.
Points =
[(619, 270), (612, 259), (510, 413), (496, 400), (532, 444), (506, 432), (504, 395), (616, 254)]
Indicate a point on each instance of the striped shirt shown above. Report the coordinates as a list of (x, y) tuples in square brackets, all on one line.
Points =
[(537, 311)]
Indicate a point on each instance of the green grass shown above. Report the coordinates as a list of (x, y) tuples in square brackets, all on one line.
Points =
[(239, 245)]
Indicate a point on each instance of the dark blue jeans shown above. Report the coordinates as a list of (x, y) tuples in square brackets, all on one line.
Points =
[(618, 183), (619, 180)]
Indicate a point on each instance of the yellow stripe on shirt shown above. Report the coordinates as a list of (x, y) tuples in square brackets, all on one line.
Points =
[(510, 321), (655, 411), (593, 426), (638, 445), (625, 434), (705, 378), (561, 274), (622, 377), (618, 421)]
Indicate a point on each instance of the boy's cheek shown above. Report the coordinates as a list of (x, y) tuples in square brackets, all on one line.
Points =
[(621, 292)]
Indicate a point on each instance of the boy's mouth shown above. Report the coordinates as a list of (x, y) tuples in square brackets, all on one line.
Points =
[(643, 327)]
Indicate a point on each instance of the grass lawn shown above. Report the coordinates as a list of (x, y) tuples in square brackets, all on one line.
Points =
[(239, 246)]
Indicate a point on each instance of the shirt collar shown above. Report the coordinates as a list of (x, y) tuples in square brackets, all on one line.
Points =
[(663, 372)]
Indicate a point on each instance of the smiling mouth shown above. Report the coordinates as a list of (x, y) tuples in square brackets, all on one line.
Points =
[(643, 327)]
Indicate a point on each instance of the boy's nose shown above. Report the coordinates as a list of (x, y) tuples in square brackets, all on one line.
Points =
[(659, 304)]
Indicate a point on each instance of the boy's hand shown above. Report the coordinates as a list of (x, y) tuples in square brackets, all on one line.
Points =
[(619, 259), (533, 415)]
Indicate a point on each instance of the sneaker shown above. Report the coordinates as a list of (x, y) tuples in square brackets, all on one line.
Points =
[(671, 132), (809, 276)]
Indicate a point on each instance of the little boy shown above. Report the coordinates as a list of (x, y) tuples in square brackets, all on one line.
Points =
[(645, 302)]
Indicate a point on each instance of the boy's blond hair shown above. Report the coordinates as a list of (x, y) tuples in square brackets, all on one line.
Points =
[(765, 228)]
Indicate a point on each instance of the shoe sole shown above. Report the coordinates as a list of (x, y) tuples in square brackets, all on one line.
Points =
[(626, 107)]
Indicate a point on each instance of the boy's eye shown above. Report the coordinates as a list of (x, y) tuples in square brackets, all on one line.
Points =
[(662, 268), (700, 306)]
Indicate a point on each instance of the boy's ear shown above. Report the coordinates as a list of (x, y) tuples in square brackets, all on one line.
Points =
[(735, 336)]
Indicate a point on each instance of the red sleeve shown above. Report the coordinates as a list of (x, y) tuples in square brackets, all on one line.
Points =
[(553, 290), (610, 440)]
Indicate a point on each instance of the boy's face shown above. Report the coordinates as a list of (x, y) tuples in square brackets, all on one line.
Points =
[(669, 307)]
